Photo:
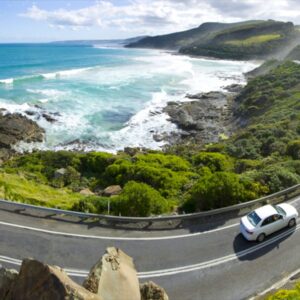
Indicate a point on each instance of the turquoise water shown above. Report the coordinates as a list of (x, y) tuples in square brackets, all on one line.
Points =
[(103, 98)]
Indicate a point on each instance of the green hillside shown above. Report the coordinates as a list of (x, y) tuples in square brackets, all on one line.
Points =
[(175, 41), (243, 40), (253, 41)]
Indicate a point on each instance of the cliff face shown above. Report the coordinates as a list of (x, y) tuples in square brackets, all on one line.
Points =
[(244, 40)]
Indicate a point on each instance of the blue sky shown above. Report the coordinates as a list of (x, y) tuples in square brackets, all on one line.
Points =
[(48, 20)]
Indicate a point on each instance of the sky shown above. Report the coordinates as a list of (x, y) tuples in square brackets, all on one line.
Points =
[(53, 20)]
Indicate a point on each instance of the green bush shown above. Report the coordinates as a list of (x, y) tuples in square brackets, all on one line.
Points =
[(139, 199), (216, 190), (216, 162), (95, 204), (277, 178), (293, 149)]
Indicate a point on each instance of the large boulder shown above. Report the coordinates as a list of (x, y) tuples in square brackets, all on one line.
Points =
[(7, 278), (114, 277), (15, 128), (151, 291), (112, 190), (38, 281)]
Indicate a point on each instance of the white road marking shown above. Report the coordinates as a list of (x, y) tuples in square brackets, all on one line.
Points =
[(126, 238), (183, 269), (113, 238)]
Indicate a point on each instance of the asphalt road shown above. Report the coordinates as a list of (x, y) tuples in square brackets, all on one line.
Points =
[(207, 264)]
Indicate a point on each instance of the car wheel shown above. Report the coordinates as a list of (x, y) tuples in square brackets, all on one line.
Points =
[(292, 223), (261, 237)]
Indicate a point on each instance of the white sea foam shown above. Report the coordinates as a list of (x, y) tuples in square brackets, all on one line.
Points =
[(7, 81), (48, 92), (14, 108)]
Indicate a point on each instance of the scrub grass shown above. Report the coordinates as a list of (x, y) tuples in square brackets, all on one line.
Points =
[(258, 39), (17, 188)]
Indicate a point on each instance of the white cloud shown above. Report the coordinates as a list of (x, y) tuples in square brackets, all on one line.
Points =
[(161, 16)]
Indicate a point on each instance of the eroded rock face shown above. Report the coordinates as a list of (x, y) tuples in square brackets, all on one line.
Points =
[(7, 278), (38, 281), (151, 291), (114, 277)]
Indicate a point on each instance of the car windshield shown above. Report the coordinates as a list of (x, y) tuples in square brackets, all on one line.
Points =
[(253, 218), (279, 210)]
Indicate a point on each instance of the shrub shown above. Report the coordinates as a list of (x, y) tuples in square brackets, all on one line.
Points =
[(94, 204), (216, 190), (293, 149), (215, 161), (139, 199), (277, 178)]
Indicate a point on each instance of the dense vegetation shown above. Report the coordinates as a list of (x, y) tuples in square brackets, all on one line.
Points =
[(263, 156), (293, 294), (243, 40)]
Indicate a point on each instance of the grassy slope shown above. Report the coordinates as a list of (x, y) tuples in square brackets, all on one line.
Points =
[(18, 188), (254, 40)]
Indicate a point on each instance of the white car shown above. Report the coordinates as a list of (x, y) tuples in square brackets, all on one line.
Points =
[(267, 219)]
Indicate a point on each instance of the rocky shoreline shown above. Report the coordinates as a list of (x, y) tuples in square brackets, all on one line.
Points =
[(201, 118), (15, 128), (204, 118)]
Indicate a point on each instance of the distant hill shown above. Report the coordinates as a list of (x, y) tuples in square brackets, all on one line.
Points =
[(114, 42), (174, 41), (244, 40)]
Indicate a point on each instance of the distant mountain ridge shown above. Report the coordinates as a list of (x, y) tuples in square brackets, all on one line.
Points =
[(117, 42), (254, 39)]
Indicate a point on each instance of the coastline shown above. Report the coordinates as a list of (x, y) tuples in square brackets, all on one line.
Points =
[(170, 132)]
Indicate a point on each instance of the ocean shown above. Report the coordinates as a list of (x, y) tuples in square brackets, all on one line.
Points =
[(104, 98)]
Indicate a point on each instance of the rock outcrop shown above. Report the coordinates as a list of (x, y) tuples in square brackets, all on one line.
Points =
[(151, 291), (113, 277), (203, 119), (39, 281), (15, 128), (112, 190)]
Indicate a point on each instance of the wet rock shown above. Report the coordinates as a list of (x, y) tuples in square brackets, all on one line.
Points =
[(114, 277), (234, 88), (48, 118), (40, 281), (112, 190), (15, 128), (151, 291)]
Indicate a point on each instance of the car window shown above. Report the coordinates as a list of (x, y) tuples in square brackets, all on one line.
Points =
[(253, 218), (267, 221), (276, 217)]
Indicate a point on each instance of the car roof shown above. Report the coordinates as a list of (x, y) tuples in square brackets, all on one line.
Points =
[(266, 211)]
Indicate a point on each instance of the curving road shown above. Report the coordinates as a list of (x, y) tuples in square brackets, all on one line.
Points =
[(215, 263)]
